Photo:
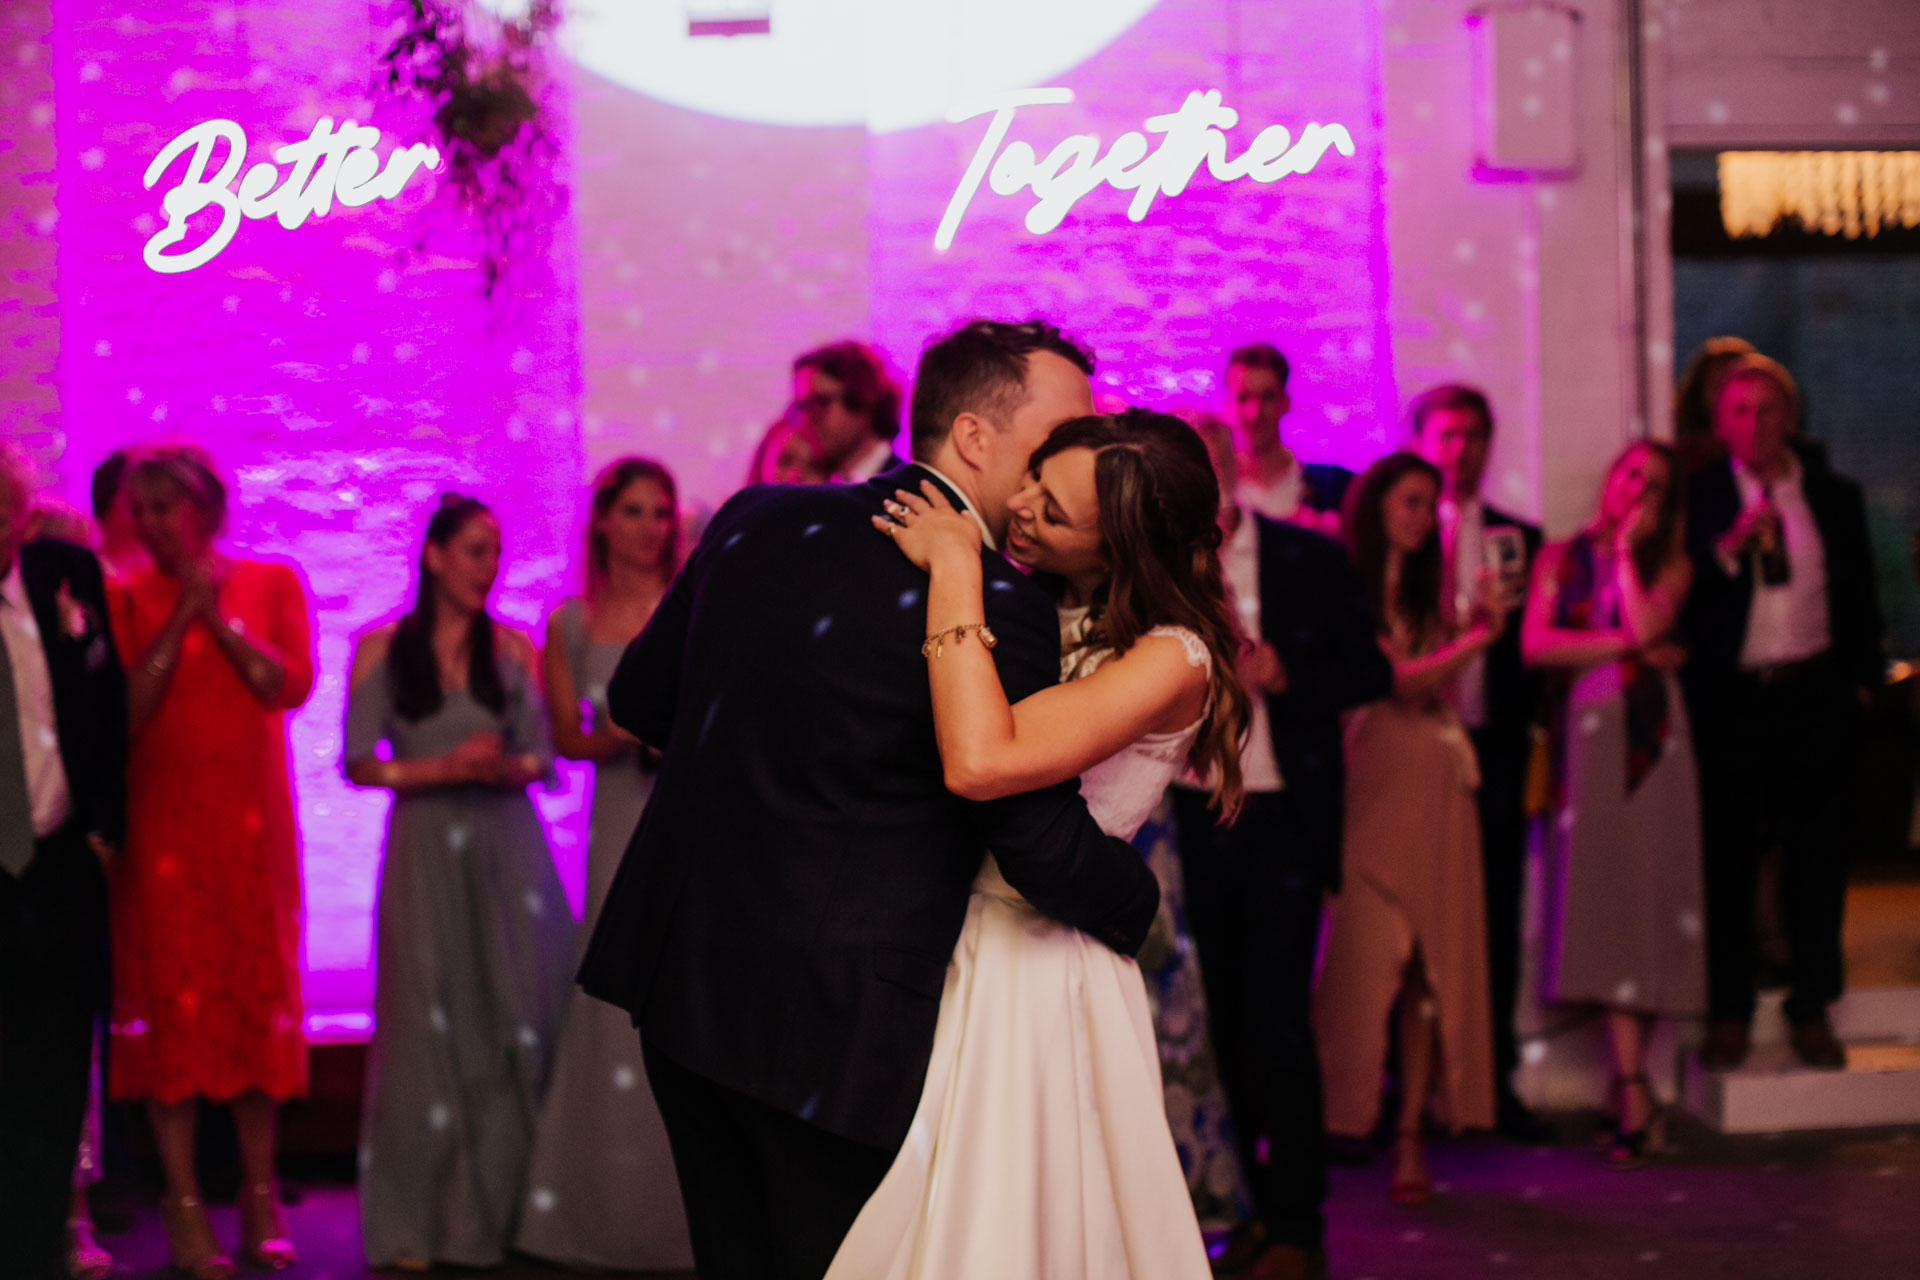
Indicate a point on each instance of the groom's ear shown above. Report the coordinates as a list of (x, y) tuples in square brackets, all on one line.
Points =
[(970, 441)]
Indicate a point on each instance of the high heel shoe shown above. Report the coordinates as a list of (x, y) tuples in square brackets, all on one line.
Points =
[(182, 1212), (273, 1253), (1631, 1147), (1409, 1189), (86, 1260)]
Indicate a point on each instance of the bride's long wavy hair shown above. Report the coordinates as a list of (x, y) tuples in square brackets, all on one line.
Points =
[(1159, 506)]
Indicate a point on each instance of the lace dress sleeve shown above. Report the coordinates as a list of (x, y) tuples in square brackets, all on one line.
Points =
[(1198, 655)]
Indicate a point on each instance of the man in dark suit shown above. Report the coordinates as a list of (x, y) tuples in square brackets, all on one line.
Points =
[(1274, 481), (63, 751), (781, 927), (1784, 636), (1254, 889), (849, 408), (1497, 699)]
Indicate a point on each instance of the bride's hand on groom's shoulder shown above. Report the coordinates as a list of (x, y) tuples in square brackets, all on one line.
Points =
[(927, 528)]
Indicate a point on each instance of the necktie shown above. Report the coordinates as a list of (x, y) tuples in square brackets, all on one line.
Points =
[(16, 810)]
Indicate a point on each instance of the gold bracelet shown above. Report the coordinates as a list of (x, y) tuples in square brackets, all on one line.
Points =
[(937, 642)]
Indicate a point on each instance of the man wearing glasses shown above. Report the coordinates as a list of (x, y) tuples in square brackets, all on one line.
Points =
[(849, 408)]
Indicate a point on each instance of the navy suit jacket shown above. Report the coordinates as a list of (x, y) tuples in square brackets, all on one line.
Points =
[(1512, 688), (1326, 487), (783, 920), (89, 686), (1715, 617), (1314, 611)]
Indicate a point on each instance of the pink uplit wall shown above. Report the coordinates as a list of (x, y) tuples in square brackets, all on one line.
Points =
[(347, 371), (344, 372), (29, 313), (1300, 262), (695, 294), (712, 252)]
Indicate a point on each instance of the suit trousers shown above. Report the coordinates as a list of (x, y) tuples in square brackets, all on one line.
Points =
[(1253, 905), (768, 1196), (53, 974), (1776, 770), (1503, 862)]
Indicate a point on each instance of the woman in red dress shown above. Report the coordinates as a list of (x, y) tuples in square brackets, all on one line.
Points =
[(206, 899)]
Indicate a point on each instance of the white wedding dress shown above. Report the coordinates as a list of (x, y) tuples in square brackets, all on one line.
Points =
[(1040, 1149)]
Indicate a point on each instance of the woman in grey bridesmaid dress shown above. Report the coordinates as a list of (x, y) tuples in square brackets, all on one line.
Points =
[(603, 1193), (474, 951), (1624, 879)]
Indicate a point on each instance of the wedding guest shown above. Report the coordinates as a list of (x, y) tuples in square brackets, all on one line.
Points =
[(1784, 640), (1694, 442), (474, 944), (602, 1192), (1408, 924), (1195, 1096), (120, 551), (1496, 697), (1273, 481), (62, 814), (785, 455), (849, 408), (206, 900), (1254, 889), (120, 554), (49, 517), (1624, 903)]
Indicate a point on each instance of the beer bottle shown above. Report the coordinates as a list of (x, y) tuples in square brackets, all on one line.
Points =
[(1772, 551)]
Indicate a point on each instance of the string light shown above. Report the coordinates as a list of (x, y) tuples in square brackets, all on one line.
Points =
[(1835, 193)]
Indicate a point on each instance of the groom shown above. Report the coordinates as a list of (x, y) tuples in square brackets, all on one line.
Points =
[(781, 926)]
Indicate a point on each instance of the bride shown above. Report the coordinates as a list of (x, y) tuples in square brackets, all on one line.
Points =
[(1040, 1147)]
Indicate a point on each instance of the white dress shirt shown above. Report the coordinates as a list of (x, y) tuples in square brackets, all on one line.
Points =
[(1787, 622), (47, 793), (1278, 499), (1463, 548), (1240, 565), (986, 534), (1240, 562), (877, 457)]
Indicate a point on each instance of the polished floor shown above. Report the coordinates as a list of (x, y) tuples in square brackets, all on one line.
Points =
[(1828, 1206)]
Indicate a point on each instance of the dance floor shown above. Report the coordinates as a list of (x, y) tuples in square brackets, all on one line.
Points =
[(1838, 1204)]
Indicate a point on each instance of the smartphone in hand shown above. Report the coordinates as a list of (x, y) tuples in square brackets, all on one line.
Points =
[(1504, 552)]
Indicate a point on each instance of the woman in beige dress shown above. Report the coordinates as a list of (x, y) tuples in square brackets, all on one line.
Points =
[(1408, 925)]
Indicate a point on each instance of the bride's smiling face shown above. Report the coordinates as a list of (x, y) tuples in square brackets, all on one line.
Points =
[(1055, 525)]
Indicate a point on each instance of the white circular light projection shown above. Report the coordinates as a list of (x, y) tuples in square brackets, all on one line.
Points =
[(887, 64)]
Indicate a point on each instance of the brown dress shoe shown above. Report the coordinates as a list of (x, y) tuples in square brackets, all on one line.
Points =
[(1289, 1262), (1813, 1044), (1727, 1046)]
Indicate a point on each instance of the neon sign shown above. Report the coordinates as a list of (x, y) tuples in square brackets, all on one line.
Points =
[(1075, 167), (327, 166)]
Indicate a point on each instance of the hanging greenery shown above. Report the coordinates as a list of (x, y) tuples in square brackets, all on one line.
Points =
[(484, 75)]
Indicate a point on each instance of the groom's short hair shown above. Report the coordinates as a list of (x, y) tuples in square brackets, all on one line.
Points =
[(980, 368)]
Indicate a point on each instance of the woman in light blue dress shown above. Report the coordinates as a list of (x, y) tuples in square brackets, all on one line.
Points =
[(603, 1193), (474, 952)]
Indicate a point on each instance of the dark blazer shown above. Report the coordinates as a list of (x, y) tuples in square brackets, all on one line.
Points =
[(1314, 611), (89, 687), (1715, 617), (1326, 485), (1512, 689), (783, 920)]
